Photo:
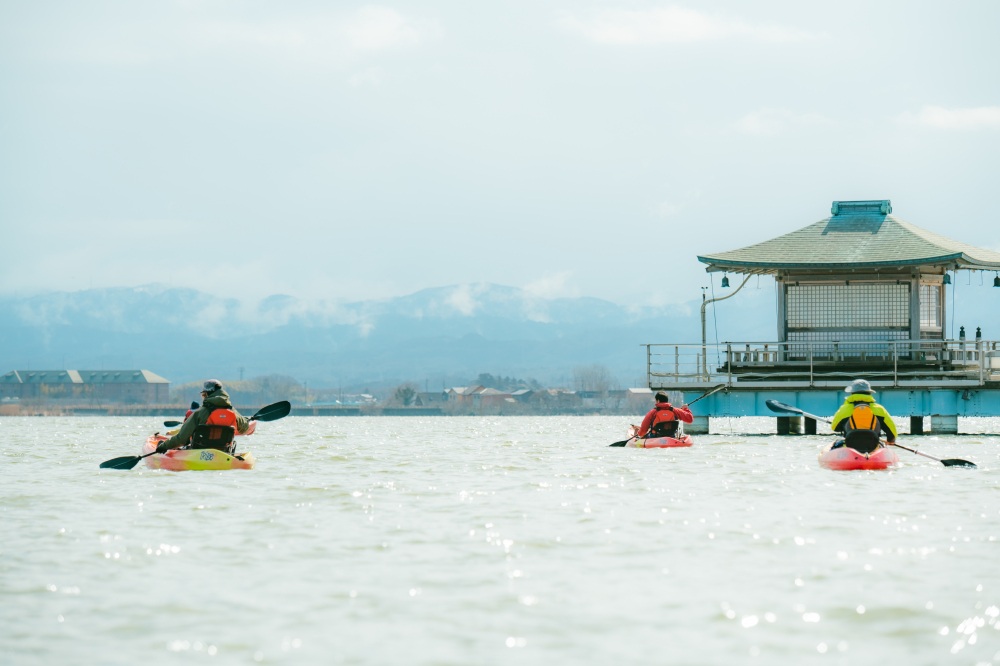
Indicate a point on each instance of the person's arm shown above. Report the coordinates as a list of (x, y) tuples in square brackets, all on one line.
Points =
[(183, 435), (242, 422), (646, 422), (683, 413), (888, 426), (841, 415)]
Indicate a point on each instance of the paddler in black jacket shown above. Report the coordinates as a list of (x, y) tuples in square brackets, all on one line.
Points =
[(213, 397)]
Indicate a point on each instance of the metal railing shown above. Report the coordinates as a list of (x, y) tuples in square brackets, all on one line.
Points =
[(888, 362)]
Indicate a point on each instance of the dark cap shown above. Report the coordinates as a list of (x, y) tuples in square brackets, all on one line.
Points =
[(211, 385)]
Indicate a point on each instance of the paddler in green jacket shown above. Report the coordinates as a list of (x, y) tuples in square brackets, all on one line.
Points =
[(213, 397), (863, 417)]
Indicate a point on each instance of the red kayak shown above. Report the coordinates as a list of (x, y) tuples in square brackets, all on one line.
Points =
[(845, 458), (660, 442)]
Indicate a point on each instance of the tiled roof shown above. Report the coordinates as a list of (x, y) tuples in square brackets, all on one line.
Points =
[(859, 235), (82, 377)]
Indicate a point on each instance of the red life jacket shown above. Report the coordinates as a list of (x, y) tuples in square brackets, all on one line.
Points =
[(222, 417), (661, 425)]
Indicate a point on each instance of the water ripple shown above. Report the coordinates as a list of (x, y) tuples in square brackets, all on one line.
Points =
[(496, 540)]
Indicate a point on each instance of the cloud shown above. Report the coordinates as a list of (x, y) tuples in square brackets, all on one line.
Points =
[(320, 37), (554, 285), (668, 209), (463, 299), (366, 30), (674, 24), (380, 28), (939, 117), (371, 77), (773, 121)]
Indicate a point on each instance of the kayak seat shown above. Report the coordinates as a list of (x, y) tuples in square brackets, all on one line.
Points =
[(213, 437), (862, 441)]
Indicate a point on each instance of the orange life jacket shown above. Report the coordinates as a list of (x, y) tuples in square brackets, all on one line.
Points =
[(862, 418), (222, 417)]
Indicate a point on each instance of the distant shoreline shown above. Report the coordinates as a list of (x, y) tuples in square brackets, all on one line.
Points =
[(176, 412)]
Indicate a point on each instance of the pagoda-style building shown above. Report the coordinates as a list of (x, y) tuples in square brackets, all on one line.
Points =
[(861, 293)]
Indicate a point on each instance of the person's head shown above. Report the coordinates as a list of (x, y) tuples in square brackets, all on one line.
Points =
[(662, 397), (210, 387), (859, 386)]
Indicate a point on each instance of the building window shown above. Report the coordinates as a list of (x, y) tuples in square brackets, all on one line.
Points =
[(848, 307), (931, 307), (839, 320)]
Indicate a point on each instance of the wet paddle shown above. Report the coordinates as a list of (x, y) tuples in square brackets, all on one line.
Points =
[(714, 389), (781, 407), (270, 413)]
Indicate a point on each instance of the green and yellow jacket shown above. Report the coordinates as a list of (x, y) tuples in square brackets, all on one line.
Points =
[(846, 409)]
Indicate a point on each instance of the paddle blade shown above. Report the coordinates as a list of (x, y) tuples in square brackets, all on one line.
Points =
[(172, 424), (781, 407), (621, 443), (278, 410), (958, 462), (125, 462)]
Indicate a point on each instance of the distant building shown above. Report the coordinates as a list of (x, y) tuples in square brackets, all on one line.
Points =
[(91, 386)]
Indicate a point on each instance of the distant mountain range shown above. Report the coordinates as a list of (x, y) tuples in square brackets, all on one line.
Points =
[(436, 337)]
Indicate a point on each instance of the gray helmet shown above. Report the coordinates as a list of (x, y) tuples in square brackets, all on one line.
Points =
[(859, 386)]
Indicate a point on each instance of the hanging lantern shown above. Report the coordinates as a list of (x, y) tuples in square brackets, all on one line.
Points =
[(947, 279), (725, 281), (996, 281)]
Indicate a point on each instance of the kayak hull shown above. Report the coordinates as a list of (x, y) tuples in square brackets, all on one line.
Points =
[(844, 458), (182, 460), (661, 442)]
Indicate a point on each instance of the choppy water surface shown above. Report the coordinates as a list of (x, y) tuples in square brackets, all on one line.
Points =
[(492, 541)]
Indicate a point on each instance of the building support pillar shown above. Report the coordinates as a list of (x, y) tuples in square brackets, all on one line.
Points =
[(699, 427), (790, 425), (916, 425), (810, 426), (944, 424)]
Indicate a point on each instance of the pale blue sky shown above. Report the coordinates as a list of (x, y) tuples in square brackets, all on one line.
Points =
[(353, 151)]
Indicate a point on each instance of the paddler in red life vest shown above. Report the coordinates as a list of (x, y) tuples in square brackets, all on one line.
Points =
[(861, 420), (215, 409), (661, 421)]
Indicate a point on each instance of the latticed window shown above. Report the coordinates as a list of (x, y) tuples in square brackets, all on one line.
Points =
[(847, 307), (931, 315), (862, 312)]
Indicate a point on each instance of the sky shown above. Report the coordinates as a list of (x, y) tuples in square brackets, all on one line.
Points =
[(352, 151)]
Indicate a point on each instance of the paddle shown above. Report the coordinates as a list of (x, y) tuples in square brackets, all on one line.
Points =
[(714, 389), (270, 413), (781, 407)]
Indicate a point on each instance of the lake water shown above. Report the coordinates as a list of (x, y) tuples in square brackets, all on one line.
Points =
[(509, 540)]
